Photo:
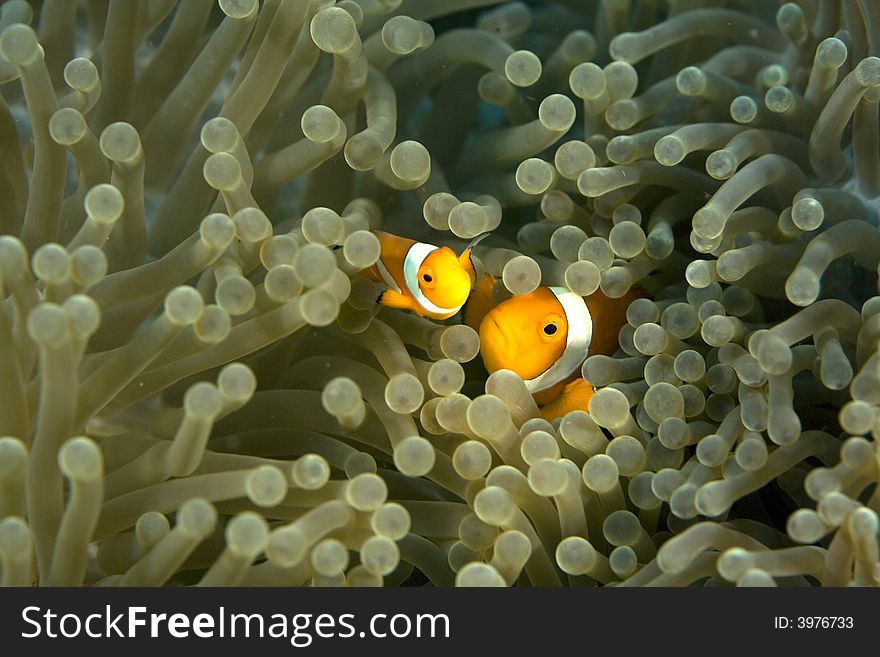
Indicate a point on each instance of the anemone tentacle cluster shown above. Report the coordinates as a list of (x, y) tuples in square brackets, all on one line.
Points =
[(197, 387)]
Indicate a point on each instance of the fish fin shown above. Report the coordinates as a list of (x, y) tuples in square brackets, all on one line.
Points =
[(575, 397), (479, 302), (469, 262), (476, 240), (393, 299)]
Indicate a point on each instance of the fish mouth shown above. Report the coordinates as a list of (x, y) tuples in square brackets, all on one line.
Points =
[(502, 344)]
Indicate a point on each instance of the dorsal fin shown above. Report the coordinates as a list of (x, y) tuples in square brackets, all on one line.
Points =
[(466, 260)]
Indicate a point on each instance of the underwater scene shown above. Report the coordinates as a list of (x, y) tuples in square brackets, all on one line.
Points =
[(439, 293)]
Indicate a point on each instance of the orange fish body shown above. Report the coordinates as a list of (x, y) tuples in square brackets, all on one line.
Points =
[(545, 336), (425, 279)]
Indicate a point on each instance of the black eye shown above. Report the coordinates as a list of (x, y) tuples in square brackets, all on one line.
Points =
[(550, 329), (427, 278)]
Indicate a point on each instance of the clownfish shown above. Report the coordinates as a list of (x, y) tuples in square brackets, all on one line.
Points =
[(428, 280), (545, 337)]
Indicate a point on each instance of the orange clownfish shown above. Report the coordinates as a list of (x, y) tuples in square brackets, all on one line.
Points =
[(545, 336), (430, 281)]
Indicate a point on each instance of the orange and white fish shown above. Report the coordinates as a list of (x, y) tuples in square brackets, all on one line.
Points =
[(545, 336), (428, 280)]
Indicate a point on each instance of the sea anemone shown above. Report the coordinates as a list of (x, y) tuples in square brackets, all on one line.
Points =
[(199, 388)]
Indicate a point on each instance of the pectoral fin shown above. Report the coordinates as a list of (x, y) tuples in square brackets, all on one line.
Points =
[(394, 299)]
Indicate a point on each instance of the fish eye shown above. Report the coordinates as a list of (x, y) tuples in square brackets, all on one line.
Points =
[(427, 278), (551, 327)]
